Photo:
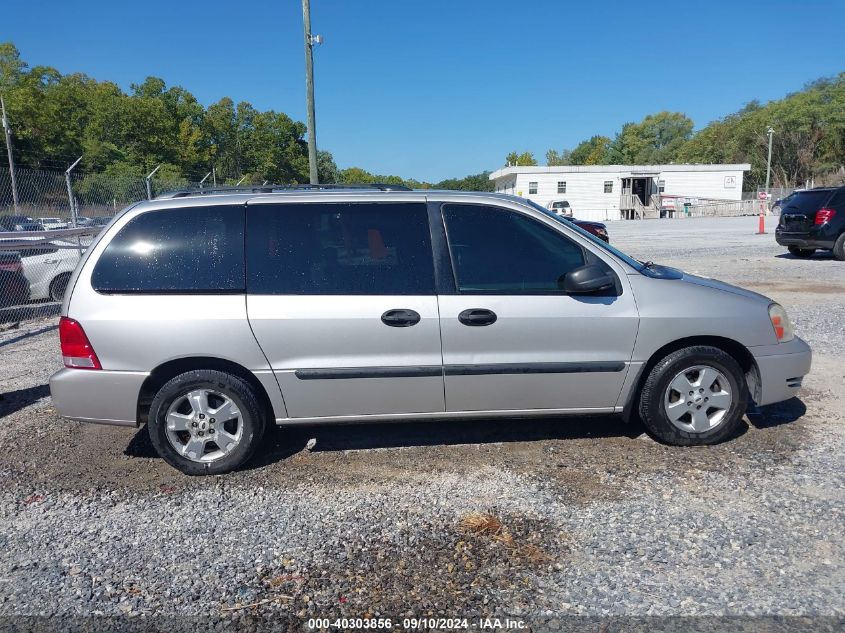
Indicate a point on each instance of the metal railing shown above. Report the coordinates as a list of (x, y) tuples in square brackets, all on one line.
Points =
[(723, 208), (633, 208)]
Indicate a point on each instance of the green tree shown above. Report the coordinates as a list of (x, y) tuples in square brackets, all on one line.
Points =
[(593, 151), (526, 159), (474, 182), (657, 139), (563, 158)]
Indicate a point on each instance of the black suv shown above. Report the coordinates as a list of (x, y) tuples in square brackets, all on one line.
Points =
[(813, 219)]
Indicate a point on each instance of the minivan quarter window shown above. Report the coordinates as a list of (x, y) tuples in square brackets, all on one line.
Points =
[(189, 250), (339, 249), (499, 251)]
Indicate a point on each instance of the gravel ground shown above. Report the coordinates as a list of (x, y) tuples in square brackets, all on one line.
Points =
[(520, 519)]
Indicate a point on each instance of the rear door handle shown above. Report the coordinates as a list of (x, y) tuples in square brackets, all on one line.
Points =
[(475, 317), (400, 317)]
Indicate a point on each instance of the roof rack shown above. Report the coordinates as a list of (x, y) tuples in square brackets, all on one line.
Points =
[(182, 193)]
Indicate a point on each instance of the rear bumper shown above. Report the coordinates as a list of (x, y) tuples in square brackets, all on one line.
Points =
[(811, 239), (103, 397), (782, 368)]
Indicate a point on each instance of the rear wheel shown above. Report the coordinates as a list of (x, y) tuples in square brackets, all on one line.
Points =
[(58, 287), (839, 248), (206, 422), (696, 395), (802, 252)]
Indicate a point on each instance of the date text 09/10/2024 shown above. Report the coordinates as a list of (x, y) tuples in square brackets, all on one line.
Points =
[(411, 624)]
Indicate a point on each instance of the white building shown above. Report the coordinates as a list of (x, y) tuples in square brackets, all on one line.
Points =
[(612, 192)]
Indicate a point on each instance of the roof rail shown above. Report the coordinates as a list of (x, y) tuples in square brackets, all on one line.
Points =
[(182, 193)]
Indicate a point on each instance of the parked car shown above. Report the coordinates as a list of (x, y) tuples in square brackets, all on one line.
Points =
[(51, 224), (80, 221), (208, 317), (813, 219), (560, 207), (48, 269), (19, 223), (598, 229), (101, 220), (14, 288)]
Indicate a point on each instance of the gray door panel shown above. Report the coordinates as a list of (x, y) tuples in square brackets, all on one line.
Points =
[(543, 352), (326, 338)]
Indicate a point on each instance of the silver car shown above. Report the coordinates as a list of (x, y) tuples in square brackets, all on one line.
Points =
[(209, 316)]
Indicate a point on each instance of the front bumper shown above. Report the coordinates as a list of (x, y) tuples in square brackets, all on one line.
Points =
[(782, 368), (104, 397)]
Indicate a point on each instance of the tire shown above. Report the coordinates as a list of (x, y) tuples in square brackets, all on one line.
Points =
[(803, 253), (839, 248), (190, 444), (58, 287), (685, 366)]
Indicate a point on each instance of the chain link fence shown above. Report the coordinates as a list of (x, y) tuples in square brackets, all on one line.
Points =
[(44, 235)]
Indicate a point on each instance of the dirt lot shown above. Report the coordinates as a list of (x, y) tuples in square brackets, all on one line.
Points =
[(531, 520)]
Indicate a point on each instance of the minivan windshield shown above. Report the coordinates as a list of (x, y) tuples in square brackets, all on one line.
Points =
[(633, 263)]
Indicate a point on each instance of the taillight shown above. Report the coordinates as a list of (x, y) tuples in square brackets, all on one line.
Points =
[(12, 267), (77, 352), (824, 215)]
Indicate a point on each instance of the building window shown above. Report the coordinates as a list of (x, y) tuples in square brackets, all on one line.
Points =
[(561, 186), (608, 186), (532, 188), (661, 186)]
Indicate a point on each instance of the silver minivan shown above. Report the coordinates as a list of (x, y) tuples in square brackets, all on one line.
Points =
[(209, 315)]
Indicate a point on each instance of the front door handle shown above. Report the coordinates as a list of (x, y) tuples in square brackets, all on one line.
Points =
[(475, 317), (400, 317)]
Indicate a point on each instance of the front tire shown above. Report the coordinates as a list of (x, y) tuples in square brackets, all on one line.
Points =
[(693, 396), (206, 422), (803, 253)]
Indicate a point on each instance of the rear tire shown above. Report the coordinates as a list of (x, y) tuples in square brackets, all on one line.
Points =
[(694, 396), (206, 422), (839, 248), (58, 287), (803, 253)]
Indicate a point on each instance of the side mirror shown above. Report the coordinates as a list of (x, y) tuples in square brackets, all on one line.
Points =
[(586, 279)]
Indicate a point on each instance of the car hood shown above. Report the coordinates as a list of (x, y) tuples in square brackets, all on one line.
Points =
[(721, 285)]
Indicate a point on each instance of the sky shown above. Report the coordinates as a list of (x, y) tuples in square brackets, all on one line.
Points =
[(444, 88)]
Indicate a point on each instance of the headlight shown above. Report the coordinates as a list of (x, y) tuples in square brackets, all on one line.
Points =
[(781, 324)]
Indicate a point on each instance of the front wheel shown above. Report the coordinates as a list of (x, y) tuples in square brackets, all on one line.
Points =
[(803, 253), (206, 422), (696, 395)]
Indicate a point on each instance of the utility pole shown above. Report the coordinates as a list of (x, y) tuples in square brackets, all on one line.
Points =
[(310, 40), (148, 180), (770, 131), (9, 151), (74, 212)]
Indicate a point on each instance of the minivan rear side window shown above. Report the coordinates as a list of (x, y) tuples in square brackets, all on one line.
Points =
[(190, 250), (498, 251), (339, 249)]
